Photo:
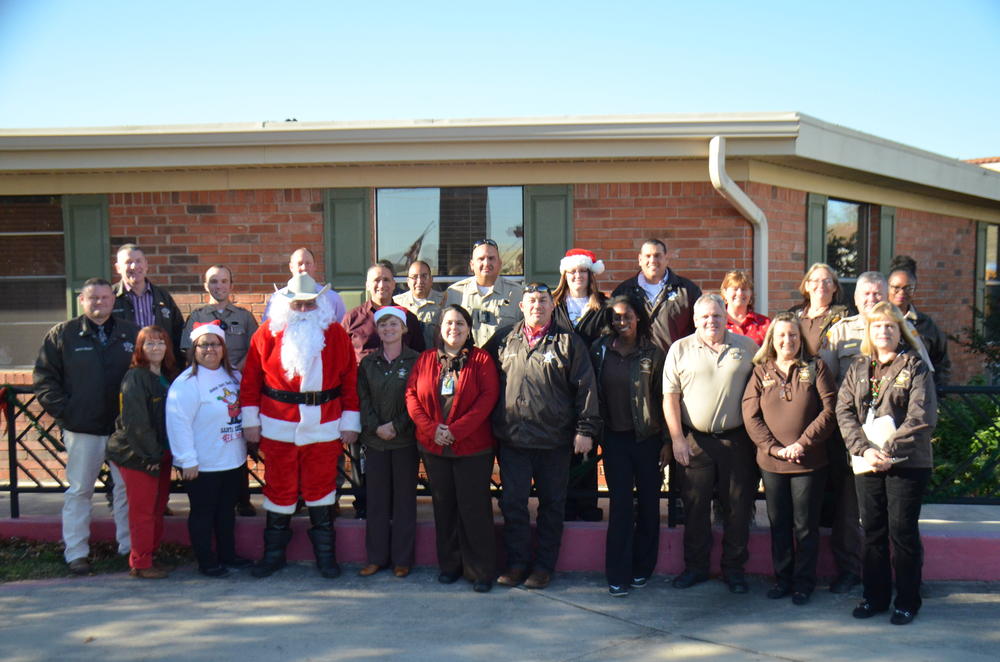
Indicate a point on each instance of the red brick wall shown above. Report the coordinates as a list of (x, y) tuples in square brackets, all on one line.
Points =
[(252, 232)]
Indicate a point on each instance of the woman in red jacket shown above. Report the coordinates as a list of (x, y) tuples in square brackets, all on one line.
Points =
[(450, 396)]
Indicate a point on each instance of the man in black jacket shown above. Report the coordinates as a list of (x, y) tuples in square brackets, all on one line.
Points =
[(669, 297), (142, 303), (77, 378), (548, 409)]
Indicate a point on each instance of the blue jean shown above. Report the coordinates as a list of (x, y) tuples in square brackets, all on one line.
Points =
[(890, 512)]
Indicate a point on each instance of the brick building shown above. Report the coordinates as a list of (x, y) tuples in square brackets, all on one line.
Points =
[(767, 193)]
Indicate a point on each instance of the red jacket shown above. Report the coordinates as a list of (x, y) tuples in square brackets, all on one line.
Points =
[(476, 393), (301, 424)]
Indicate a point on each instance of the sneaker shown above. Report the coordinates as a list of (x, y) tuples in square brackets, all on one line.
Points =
[(617, 591), (639, 582)]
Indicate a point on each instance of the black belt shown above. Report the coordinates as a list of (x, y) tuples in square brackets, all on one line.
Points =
[(301, 398)]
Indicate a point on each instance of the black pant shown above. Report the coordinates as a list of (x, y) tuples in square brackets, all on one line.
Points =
[(212, 496), (793, 506), (463, 514), (724, 464), (633, 539), (845, 535), (391, 530), (550, 470), (890, 512)]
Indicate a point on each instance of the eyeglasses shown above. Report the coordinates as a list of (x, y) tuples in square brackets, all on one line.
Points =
[(821, 281), (214, 346), (419, 277), (488, 242), (537, 287), (902, 288), (152, 344)]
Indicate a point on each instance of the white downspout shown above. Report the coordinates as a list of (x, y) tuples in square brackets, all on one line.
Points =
[(735, 195)]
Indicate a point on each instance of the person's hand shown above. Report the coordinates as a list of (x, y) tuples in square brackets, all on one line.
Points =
[(253, 450), (189, 473), (879, 460), (682, 451), (386, 431), (792, 453), (582, 444), (251, 435), (666, 455), (152, 467), (443, 436), (348, 436)]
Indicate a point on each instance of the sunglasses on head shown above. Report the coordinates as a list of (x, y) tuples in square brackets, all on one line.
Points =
[(537, 287), (487, 242)]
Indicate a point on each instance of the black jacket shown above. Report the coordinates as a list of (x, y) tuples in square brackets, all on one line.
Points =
[(140, 435), (77, 380), (645, 385), (166, 314), (672, 314), (936, 344), (591, 325), (547, 393)]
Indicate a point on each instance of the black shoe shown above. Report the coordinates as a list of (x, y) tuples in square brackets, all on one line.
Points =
[(799, 598), (639, 582), (865, 609), (617, 591), (844, 583), (217, 571), (238, 563), (779, 591), (482, 586), (902, 617), (689, 578), (448, 577), (737, 583)]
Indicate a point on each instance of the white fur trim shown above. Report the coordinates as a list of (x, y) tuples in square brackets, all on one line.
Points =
[(327, 500), (350, 421), (300, 433), (577, 261), (207, 327), (251, 417), (272, 507)]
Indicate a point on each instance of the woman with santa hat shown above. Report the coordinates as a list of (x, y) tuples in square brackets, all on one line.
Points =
[(580, 307), (205, 430)]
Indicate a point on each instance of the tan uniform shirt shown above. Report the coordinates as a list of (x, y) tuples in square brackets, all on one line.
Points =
[(711, 383), (428, 311), (844, 343), (238, 323), (498, 308)]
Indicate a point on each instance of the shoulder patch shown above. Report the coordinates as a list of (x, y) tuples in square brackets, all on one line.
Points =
[(903, 378)]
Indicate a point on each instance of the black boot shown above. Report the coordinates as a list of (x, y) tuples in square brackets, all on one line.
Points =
[(324, 541), (277, 534)]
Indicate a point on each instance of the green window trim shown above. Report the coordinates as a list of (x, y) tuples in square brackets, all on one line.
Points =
[(87, 243), (548, 231), (347, 237)]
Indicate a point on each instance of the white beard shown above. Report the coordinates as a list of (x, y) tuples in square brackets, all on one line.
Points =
[(304, 338)]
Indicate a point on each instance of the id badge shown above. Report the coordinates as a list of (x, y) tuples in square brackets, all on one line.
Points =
[(448, 384)]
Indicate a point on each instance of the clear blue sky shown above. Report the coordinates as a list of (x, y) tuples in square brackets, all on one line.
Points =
[(922, 73)]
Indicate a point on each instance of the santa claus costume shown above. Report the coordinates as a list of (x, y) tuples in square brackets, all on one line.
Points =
[(299, 387)]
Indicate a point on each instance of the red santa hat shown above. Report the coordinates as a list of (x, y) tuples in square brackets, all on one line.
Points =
[(580, 257), (395, 311), (202, 328)]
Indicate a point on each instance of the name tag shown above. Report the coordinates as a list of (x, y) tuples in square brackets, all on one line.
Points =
[(448, 385)]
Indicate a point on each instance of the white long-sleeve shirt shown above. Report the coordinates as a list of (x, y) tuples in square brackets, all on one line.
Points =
[(204, 424)]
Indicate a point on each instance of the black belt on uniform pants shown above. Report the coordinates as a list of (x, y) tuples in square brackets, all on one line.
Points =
[(301, 398)]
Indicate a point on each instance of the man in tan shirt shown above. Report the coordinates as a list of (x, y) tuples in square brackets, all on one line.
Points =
[(491, 299), (704, 377), (422, 300)]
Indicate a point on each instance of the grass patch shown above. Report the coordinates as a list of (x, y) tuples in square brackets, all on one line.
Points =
[(21, 558)]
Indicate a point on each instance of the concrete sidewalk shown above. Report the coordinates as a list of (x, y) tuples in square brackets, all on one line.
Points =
[(296, 615)]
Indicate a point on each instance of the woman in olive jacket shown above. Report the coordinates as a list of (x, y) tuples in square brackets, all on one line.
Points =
[(888, 379), (628, 366), (139, 448), (450, 396), (390, 446)]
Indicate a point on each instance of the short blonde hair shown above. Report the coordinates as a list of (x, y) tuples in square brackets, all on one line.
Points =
[(833, 276), (886, 311)]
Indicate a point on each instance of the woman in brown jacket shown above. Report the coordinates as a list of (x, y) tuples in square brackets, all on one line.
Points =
[(888, 379), (820, 307), (788, 410)]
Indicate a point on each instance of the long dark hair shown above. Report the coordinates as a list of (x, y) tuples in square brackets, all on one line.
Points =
[(643, 330), (153, 332), (226, 365), (469, 342)]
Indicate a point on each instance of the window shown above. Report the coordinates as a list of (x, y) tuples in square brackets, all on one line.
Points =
[(988, 300), (32, 275), (440, 225), (846, 237)]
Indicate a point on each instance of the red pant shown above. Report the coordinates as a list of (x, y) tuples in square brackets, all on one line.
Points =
[(147, 499), (291, 470)]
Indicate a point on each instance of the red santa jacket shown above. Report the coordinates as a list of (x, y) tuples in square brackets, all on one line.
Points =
[(301, 424), (476, 393)]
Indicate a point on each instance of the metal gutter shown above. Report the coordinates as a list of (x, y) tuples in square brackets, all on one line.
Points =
[(726, 187)]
